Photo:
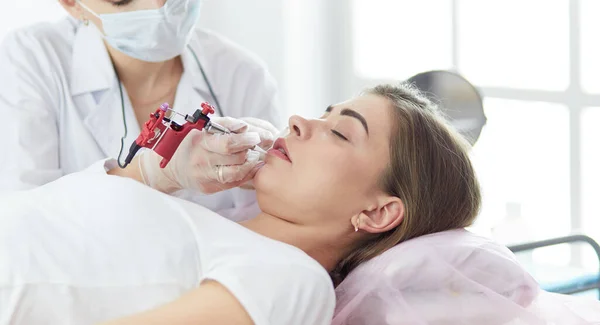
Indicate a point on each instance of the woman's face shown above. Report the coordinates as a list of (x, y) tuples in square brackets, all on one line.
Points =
[(331, 166)]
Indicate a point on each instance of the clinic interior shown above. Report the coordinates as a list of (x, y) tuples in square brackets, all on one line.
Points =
[(535, 63)]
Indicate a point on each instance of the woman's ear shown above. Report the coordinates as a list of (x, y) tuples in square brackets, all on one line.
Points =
[(386, 216)]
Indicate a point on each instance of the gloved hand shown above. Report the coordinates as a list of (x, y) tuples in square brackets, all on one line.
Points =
[(206, 162), (267, 132)]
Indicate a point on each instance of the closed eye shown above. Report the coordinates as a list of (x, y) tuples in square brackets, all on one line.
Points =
[(121, 2), (341, 136)]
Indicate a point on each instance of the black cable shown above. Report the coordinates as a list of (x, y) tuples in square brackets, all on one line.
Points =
[(124, 119)]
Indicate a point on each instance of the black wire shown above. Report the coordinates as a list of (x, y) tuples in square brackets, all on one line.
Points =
[(124, 120), (212, 93)]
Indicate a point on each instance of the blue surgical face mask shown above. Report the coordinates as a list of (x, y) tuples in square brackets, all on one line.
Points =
[(153, 35)]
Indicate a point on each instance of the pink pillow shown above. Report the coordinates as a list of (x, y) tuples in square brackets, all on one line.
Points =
[(452, 277)]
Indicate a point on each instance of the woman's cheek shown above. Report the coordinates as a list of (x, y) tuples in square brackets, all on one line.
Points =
[(327, 162)]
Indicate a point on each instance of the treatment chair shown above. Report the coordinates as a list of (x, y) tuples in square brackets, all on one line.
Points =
[(451, 277), (563, 280)]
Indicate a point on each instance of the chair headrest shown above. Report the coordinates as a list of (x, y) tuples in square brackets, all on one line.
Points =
[(455, 269)]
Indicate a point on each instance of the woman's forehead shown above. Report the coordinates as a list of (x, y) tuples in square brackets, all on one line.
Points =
[(375, 109)]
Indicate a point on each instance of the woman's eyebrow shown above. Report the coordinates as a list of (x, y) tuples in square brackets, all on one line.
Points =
[(351, 113), (356, 115)]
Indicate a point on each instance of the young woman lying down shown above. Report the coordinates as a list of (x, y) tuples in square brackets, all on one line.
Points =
[(374, 171)]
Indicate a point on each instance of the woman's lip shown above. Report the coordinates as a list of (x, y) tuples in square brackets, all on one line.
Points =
[(281, 144), (278, 154)]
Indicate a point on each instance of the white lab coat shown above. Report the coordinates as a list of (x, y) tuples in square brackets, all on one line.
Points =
[(61, 108)]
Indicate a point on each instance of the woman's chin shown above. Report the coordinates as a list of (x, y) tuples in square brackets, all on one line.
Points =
[(267, 178), (260, 176)]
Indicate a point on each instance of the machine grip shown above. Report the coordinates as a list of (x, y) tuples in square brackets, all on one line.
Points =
[(172, 139), (164, 162)]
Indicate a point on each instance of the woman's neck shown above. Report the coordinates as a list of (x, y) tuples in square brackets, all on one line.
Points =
[(146, 80), (327, 248)]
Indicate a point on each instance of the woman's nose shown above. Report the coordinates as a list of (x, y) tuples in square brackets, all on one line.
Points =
[(299, 127)]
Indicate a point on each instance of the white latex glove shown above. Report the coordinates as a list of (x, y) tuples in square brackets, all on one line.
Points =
[(267, 132), (196, 163)]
